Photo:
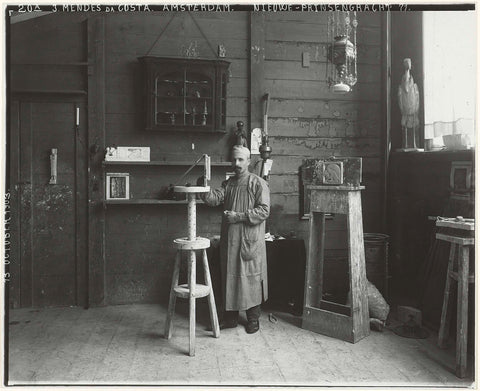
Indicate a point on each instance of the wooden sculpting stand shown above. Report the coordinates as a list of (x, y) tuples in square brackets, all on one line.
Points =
[(348, 323), (191, 290)]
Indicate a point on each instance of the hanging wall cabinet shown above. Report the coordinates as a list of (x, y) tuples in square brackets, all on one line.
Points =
[(185, 94)]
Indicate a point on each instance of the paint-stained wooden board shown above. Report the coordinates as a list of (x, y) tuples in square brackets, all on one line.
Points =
[(309, 32), (238, 67), (290, 164), (293, 70), (312, 127), (315, 89), (320, 89), (335, 146), (323, 109), (292, 51), (154, 23), (141, 44), (283, 183), (309, 15)]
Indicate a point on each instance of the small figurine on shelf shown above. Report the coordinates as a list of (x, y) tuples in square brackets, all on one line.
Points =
[(194, 114), (205, 113)]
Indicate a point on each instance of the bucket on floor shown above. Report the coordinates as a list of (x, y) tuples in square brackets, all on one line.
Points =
[(376, 260)]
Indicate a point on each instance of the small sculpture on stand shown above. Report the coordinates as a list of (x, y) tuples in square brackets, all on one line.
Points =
[(204, 115), (409, 102), (194, 114), (239, 137), (265, 149)]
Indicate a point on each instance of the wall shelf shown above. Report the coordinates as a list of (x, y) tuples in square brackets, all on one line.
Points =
[(161, 163), (149, 201)]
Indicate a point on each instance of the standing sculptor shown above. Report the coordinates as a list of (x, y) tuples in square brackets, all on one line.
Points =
[(243, 259)]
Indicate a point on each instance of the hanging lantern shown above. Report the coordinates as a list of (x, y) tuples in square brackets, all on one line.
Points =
[(342, 52)]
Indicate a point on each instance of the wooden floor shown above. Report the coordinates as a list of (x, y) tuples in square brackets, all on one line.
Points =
[(125, 345)]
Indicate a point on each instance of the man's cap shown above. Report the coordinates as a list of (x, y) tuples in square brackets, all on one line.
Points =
[(241, 150)]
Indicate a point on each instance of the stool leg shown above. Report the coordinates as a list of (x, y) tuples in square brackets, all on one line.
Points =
[(191, 287), (173, 297), (447, 302), (211, 298), (462, 311)]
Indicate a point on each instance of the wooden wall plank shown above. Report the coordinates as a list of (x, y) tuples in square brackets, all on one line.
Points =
[(312, 127), (46, 78), (81, 207), (124, 82), (291, 70), (290, 164), (292, 51), (153, 23), (319, 89), (309, 15), (238, 67), (96, 146), (257, 70), (26, 215), (332, 146), (310, 32), (284, 108), (289, 183), (12, 215), (120, 102), (56, 38)]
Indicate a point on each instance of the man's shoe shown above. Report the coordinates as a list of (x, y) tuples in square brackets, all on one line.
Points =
[(228, 324), (252, 326)]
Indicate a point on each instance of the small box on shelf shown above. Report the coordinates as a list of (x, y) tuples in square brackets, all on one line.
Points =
[(117, 186)]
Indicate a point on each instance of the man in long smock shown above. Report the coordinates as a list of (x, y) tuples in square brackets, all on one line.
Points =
[(243, 259)]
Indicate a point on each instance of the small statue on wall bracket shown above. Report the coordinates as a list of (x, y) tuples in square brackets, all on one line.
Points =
[(240, 136), (409, 102)]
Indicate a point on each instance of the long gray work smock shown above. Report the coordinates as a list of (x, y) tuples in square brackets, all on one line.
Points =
[(243, 257)]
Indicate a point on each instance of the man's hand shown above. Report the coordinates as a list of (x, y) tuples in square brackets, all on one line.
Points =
[(234, 217)]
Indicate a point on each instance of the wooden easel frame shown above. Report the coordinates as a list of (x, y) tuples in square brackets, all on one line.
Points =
[(348, 323)]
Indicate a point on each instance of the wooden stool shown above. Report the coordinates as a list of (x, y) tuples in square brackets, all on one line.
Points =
[(347, 322), (191, 290), (459, 246)]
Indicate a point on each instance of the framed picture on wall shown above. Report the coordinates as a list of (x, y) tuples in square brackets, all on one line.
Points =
[(461, 177), (117, 186)]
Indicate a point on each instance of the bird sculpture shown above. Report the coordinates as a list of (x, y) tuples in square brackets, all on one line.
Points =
[(409, 102)]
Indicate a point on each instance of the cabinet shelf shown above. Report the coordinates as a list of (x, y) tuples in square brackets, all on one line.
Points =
[(161, 163)]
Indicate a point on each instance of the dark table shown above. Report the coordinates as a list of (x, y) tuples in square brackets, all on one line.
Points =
[(286, 260)]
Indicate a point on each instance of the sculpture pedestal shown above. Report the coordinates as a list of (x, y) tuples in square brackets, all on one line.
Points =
[(191, 290), (346, 322)]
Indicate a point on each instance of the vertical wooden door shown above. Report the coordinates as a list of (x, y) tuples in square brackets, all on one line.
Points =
[(52, 236)]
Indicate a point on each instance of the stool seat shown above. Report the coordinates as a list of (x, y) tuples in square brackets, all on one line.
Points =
[(463, 241), (200, 290), (198, 244)]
